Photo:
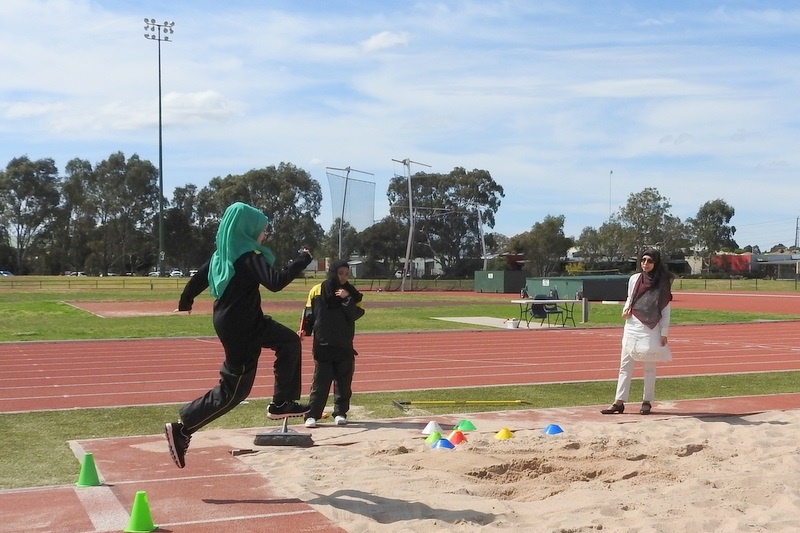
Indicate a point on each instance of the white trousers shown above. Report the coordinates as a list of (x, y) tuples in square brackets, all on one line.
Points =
[(626, 373)]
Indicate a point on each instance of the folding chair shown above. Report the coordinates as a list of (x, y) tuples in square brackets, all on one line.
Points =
[(545, 311)]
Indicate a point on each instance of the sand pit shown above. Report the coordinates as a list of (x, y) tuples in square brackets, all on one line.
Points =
[(622, 473)]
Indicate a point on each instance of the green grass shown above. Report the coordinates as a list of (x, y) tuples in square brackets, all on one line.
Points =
[(35, 449), (44, 316)]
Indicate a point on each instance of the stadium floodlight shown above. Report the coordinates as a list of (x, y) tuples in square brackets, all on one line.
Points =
[(160, 32)]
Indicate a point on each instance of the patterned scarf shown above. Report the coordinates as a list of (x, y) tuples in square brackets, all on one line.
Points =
[(652, 292)]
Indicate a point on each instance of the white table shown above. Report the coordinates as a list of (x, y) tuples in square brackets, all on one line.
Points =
[(566, 306)]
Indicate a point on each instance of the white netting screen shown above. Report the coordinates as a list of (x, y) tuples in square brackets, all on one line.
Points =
[(353, 200)]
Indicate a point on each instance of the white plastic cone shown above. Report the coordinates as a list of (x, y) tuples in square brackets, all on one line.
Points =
[(431, 427)]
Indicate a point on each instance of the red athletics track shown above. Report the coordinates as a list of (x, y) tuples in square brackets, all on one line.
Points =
[(64, 375)]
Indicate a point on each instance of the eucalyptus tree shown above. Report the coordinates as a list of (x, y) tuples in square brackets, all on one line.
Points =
[(711, 231), (185, 228), (122, 197), (647, 217), (288, 195), (29, 193), (330, 242), (544, 247), (450, 211), (383, 243)]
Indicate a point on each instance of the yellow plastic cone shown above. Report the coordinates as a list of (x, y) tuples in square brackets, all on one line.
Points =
[(88, 476), (504, 434), (141, 521)]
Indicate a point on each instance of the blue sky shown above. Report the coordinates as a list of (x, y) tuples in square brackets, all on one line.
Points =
[(571, 105)]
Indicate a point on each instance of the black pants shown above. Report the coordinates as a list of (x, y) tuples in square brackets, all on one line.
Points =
[(238, 373), (336, 365)]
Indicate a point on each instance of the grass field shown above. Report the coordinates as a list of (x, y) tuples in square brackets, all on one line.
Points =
[(35, 444)]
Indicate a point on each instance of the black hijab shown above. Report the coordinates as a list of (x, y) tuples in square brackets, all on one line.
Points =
[(331, 284)]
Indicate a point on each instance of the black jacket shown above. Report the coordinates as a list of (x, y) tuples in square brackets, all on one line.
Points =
[(332, 323), (237, 313)]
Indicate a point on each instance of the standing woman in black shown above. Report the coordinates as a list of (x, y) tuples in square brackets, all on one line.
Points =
[(236, 270)]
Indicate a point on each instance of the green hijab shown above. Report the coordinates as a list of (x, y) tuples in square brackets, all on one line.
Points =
[(238, 230)]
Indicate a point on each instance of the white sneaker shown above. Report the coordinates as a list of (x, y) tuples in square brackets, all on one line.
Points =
[(340, 421), (311, 422)]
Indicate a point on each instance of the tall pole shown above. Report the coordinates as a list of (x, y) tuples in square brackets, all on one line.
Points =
[(407, 267), (610, 173), (347, 171), (483, 239), (162, 33)]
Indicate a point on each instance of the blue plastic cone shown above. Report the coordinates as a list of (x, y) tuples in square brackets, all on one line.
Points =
[(443, 443), (552, 429)]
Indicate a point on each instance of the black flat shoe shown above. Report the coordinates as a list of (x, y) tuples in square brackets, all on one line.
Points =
[(614, 409), (645, 410)]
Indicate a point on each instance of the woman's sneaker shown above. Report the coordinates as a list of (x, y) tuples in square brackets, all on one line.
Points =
[(340, 420), (310, 422), (178, 442), (287, 409)]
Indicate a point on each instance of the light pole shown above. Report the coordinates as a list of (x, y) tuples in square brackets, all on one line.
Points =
[(162, 32)]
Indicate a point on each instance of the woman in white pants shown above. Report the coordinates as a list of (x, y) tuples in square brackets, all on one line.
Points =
[(646, 313)]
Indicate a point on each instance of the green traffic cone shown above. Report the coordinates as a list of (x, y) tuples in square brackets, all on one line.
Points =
[(141, 521), (88, 476)]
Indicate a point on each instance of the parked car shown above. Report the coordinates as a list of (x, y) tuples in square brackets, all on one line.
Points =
[(176, 273), (153, 274), (192, 272), (5, 273), (399, 274)]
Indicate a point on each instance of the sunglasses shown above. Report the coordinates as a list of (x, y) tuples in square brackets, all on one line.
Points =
[(647, 260)]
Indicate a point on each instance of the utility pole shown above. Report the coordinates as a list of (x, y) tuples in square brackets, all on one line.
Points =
[(407, 267), (797, 233), (347, 171)]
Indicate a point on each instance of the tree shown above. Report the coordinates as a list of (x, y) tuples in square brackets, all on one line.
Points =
[(646, 216), (544, 246), (383, 243), (121, 195), (448, 209), (29, 192), (710, 230), (350, 241), (286, 194)]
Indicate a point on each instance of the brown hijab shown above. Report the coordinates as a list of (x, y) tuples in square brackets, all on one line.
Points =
[(652, 291)]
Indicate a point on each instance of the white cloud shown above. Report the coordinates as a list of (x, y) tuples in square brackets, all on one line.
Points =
[(548, 96), (385, 40)]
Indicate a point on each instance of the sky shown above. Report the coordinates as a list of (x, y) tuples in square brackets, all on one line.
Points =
[(572, 106)]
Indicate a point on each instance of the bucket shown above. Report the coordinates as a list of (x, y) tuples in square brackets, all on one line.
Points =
[(512, 323)]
